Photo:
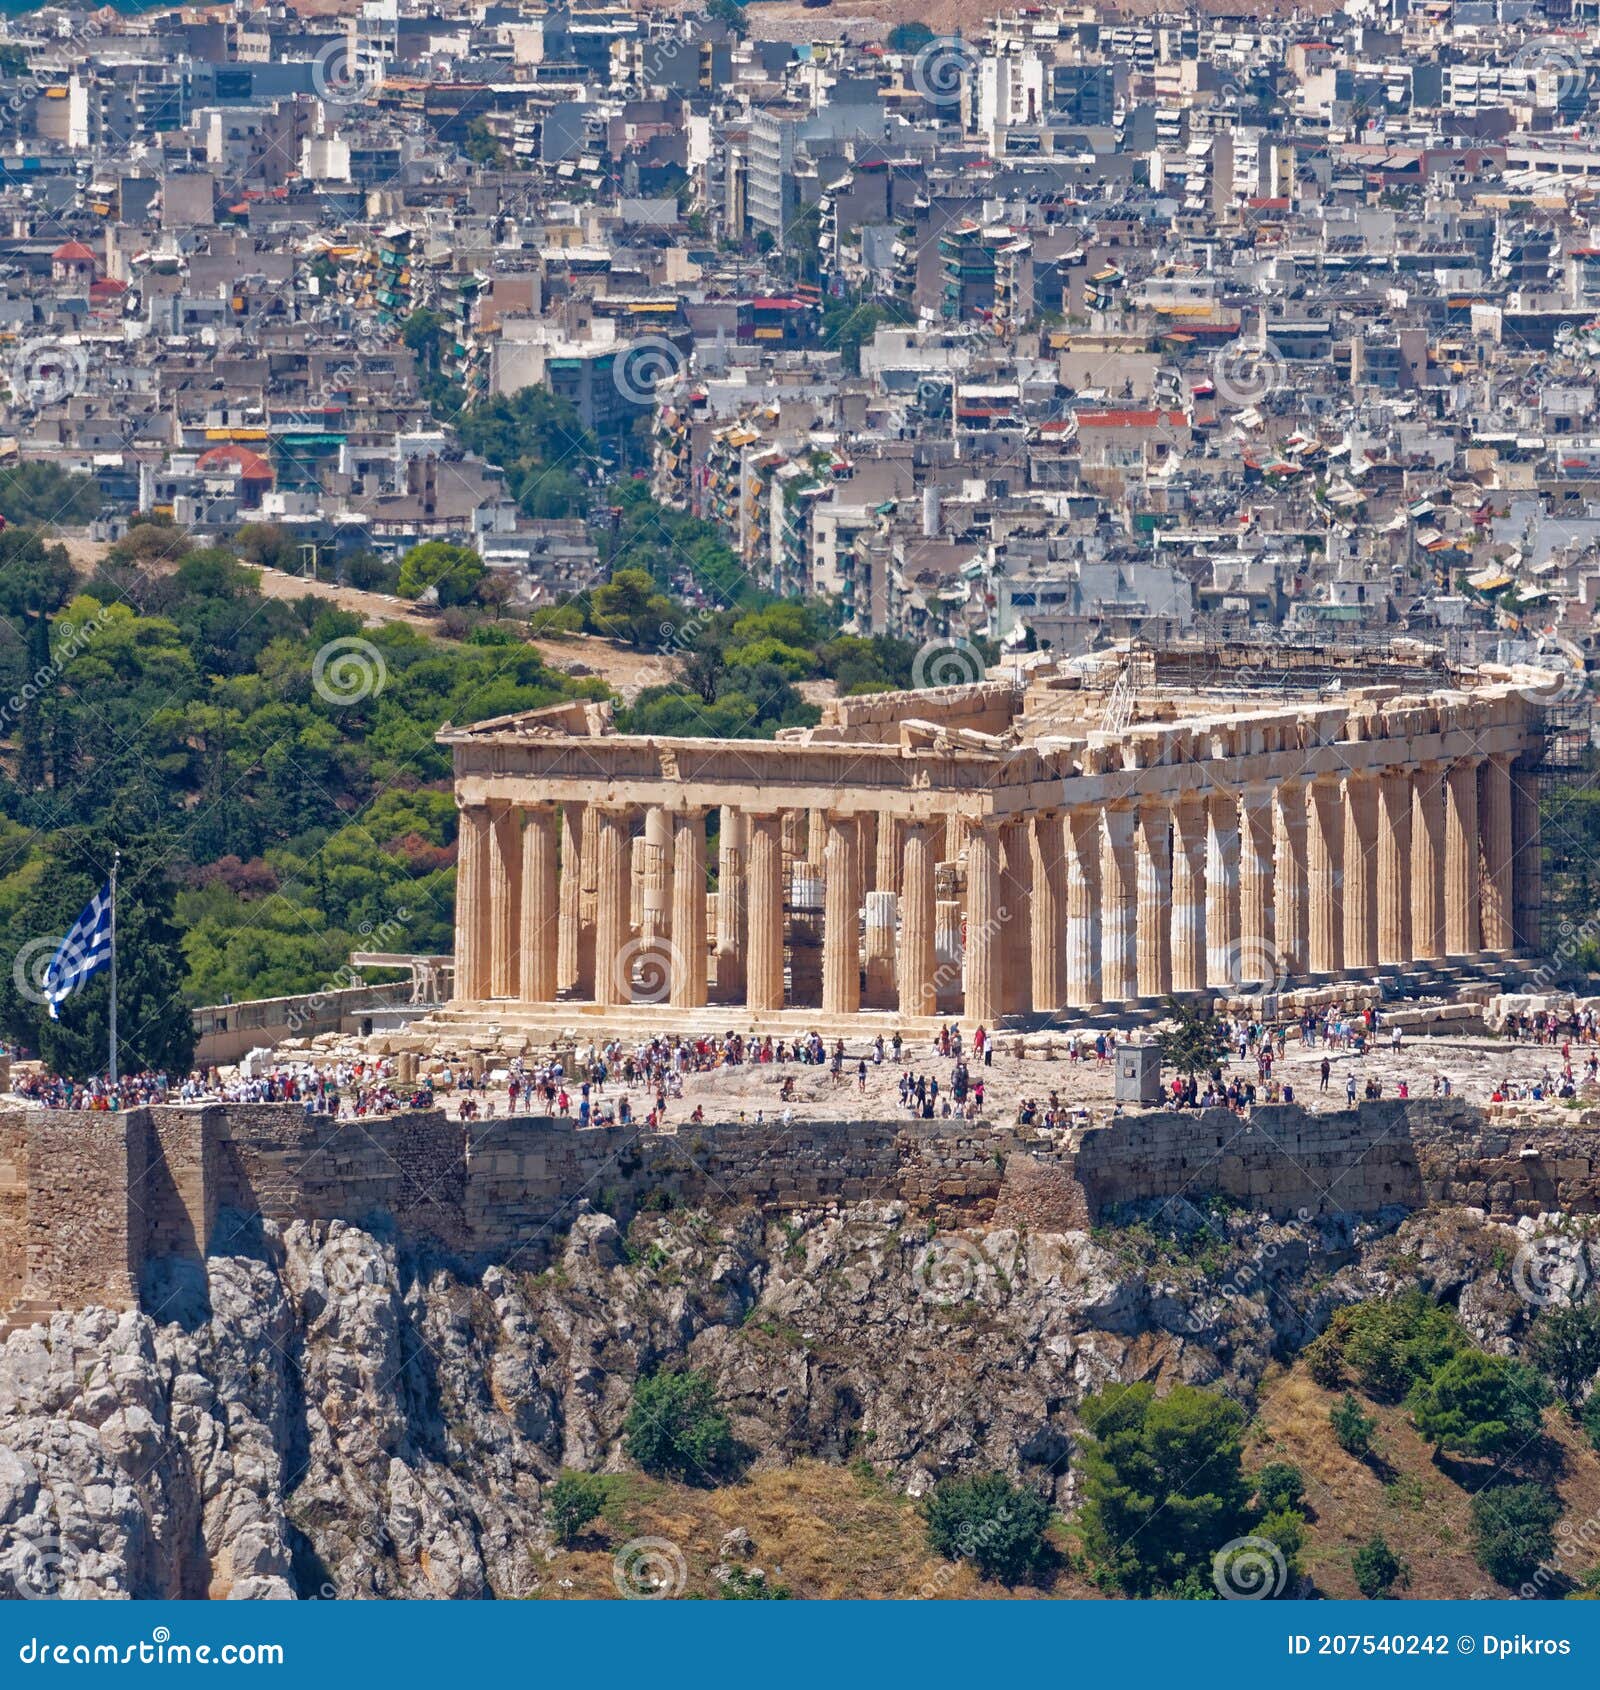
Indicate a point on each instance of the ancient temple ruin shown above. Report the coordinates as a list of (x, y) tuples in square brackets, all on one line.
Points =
[(1005, 851)]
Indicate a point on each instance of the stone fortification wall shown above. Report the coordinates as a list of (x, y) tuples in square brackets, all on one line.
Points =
[(87, 1199)]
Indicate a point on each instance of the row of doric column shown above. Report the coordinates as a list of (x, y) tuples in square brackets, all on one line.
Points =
[(1061, 908)]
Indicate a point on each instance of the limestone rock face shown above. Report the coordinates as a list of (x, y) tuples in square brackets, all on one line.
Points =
[(324, 1411)]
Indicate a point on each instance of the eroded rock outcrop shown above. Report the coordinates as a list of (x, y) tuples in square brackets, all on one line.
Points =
[(325, 1411)]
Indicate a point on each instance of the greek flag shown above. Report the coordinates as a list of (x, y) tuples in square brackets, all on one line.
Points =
[(85, 950)]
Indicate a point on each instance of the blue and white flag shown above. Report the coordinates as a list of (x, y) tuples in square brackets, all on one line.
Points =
[(85, 950)]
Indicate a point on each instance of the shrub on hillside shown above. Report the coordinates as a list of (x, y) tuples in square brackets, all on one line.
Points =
[(1514, 1530), (675, 1430), (995, 1524)]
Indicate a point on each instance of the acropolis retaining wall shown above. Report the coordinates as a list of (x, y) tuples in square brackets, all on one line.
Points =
[(86, 1200)]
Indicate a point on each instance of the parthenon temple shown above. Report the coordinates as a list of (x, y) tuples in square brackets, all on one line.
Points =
[(1010, 851)]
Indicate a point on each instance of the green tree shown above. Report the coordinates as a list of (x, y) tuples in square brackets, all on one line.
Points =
[(454, 572), (908, 37), (1352, 1428), (48, 495), (1514, 1530), (675, 1429), (1565, 1346), (1378, 1569), (1392, 1343), (998, 1526), (1164, 1486), (1280, 1486), (1194, 1043), (1479, 1404), (629, 608), (572, 1502)]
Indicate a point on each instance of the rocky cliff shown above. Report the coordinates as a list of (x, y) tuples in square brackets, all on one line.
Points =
[(322, 1411)]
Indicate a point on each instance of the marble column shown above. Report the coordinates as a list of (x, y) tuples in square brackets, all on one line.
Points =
[(764, 949), (540, 907), (1527, 860), (1260, 961), (1360, 871), (1289, 887), (1155, 900), (505, 900), (816, 850), (613, 942), (1394, 867), (1119, 981), (886, 865), (1427, 863), (589, 870), (841, 914), (1083, 841), (472, 903), (1494, 820), (1222, 889), (1325, 874), (655, 883), (688, 953), (916, 962), (1047, 950), (866, 853), (984, 956), (1189, 894), (571, 871), (732, 866), (1016, 905), (1461, 933), (878, 924)]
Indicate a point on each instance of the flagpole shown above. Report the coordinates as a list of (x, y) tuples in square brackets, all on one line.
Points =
[(116, 857)]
